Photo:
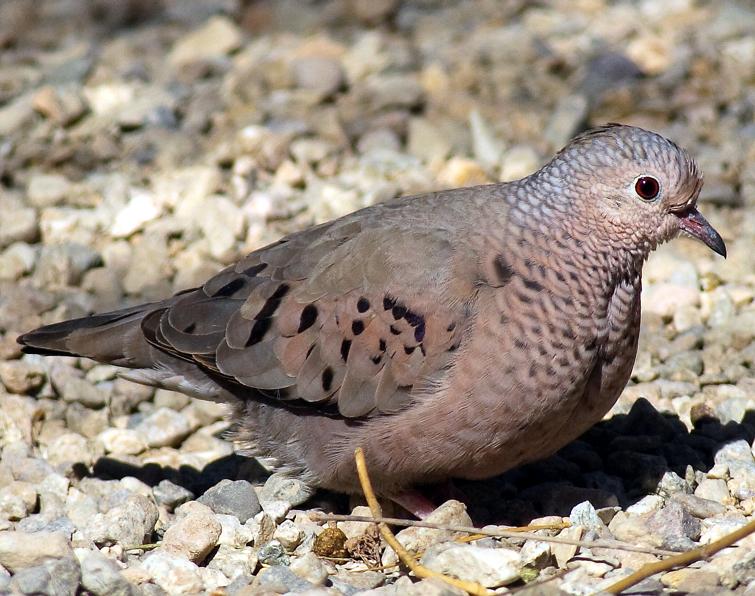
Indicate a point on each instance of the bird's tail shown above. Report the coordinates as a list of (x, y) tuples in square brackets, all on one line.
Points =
[(113, 337)]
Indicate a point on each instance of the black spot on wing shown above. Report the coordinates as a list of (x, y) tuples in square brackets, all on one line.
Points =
[(363, 304), (327, 379), (255, 269), (230, 288), (357, 327), (259, 329), (307, 318), (345, 348), (272, 303), (399, 311)]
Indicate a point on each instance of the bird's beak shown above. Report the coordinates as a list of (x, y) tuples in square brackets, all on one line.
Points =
[(692, 222)]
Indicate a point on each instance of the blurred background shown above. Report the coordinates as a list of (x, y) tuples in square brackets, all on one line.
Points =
[(145, 144)]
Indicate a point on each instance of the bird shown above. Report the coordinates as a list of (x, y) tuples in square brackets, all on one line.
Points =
[(451, 335)]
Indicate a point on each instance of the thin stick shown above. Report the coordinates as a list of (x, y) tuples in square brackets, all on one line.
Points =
[(681, 560), (509, 533), (404, 556)]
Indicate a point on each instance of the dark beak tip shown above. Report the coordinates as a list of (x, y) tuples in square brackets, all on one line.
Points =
[(698, 227)]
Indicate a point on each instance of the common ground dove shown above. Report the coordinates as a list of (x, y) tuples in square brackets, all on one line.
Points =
[(453, 334)]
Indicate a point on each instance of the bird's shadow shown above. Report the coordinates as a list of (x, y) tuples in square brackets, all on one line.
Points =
[(617, 462)]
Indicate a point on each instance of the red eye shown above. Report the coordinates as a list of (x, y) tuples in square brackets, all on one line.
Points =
[(647, 187)]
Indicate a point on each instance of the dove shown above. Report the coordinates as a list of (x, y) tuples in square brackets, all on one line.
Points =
[(455, 334)]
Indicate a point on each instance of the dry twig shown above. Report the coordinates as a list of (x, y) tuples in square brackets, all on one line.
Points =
[(681, 560), (508, 533), (404, 556)]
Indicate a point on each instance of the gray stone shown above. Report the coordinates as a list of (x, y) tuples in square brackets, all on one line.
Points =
[(699, 507), (273, 553), (232, 497), (171, 495), (102, 576), (43, 523), (584, 515), (676, 528), (281, 580), (58, 577)]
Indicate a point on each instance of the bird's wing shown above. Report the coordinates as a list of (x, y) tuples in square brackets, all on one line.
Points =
[(353, 317)]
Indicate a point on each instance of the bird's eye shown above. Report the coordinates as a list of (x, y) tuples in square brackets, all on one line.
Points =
[(647, 187)]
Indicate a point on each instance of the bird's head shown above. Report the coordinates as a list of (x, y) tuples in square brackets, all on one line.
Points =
[(639, 185)]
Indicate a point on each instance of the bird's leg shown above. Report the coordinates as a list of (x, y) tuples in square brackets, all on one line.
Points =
[(414, 502)]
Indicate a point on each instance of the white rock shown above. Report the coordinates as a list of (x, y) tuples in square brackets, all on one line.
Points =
[(665, 298), (193, 536), (646, 504), (16, 260), (141, 208), (173, 573), (164, 428), (309, 567), (419, 539), (288, 534), (72, 448), (17, 499), (222, 223), (216, 38), (276, 509), (490, 567), (125, 441), (487, 148), (19, 550), (233, 533), (518, 162), (45, 190), (233, 562), (564, 552)]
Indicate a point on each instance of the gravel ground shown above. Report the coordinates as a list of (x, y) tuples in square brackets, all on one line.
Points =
[(143, 145)]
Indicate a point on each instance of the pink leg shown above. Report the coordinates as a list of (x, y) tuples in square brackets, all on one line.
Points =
[(415, 503)]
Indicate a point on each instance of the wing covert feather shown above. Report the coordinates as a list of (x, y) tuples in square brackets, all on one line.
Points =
[(356, 316)]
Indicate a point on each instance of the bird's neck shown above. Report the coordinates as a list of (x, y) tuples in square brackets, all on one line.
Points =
[(557, 222)]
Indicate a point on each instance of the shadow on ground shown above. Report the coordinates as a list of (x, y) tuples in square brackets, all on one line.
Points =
[(617, 462)]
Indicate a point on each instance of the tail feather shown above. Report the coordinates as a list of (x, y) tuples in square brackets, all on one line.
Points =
[(113, 337)]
